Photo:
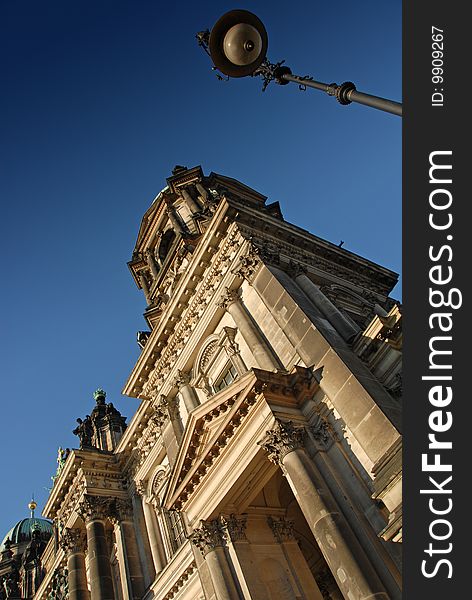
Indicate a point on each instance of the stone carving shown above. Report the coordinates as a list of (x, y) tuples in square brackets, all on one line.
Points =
[(281, 440), (295, 269), (228, 298), (84, 431), (160, 415), (207, 355), (141, 487), (94, 508), (208, 536), (121, 510), (102, 416), (157, 482), (282, 529), (34, 549), (172, 405), (234, 527), (59, 585), (10, 583), (326, 583), (72, 540), (248, 265), (322, 433), (181, 379)]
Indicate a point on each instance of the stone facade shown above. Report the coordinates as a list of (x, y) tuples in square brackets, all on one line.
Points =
[(264, 459)]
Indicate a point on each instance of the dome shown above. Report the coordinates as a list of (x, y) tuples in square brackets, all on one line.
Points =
[(21, 532)]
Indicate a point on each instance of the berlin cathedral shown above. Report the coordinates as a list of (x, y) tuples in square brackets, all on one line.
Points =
[(264, 459)]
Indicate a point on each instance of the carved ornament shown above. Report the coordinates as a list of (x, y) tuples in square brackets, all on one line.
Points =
[(281, 440)]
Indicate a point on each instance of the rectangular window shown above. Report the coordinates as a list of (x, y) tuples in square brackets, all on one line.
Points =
[(175, 529), (229, 375)]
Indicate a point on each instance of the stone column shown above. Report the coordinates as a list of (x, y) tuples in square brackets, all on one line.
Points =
[(94, 510), (73, 543), (263, 354), (282, 530), (127, 550), (344, 327), (182, 381), (154, 534), (203, 193), (172, 406), (173, 218), (144, 285), (242, 556), (190, 202), (152, 263), (149, 573), (346, 559), (209, 540)]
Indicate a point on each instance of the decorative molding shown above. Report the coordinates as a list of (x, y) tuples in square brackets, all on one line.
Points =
[(197, 301), (281, 440), (181, 581)]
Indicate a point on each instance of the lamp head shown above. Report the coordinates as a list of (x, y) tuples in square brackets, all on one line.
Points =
[(238, 43)]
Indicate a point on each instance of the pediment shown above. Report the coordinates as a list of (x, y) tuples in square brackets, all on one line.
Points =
[(208, 430), (211, 426)]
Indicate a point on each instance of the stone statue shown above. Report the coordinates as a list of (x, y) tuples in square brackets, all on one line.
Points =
[(10, 584), (84, 431), (34, 549)]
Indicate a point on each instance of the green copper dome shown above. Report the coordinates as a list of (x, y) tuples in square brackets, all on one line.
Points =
[(21, 532)]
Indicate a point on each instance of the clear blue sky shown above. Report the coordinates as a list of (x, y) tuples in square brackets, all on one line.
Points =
[(100, 99)]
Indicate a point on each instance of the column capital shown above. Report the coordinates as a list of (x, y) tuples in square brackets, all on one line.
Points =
[(322, 433), (281, 440), (208, 536), (94, 508), (159, 416), (121, 510), (181, 379), (282, 529), (228, 298), (72, 540), (141, 487), (248, 265), (295, 269), (234, 527)]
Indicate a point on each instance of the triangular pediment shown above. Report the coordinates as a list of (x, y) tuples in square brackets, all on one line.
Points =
[(211, 425), (208, 430)]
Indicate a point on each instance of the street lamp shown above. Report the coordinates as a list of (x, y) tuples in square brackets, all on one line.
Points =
[(237, 45)]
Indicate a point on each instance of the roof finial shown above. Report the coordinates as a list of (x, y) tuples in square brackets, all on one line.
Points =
[(32, 506)]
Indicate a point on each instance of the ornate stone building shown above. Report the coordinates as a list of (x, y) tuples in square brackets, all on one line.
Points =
[(264, 459)]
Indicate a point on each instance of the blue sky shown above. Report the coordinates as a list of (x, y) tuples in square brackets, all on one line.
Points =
[(100, 100)]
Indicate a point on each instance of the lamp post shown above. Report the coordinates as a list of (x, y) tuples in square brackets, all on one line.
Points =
[(237, 45)]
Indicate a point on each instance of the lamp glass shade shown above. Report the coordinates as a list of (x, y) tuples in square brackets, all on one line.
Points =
[(242, 44)]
